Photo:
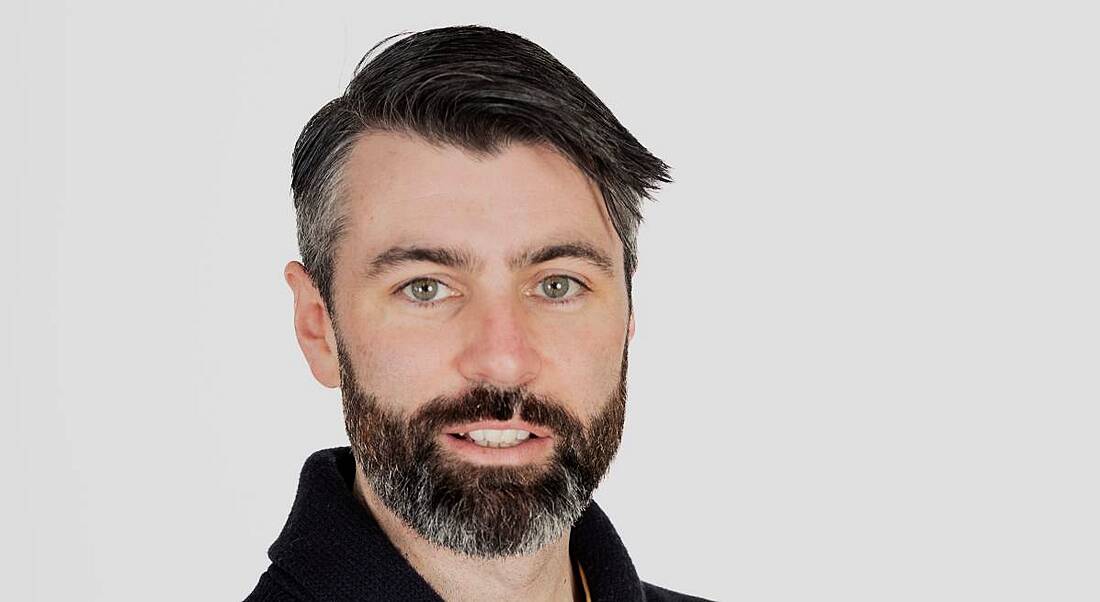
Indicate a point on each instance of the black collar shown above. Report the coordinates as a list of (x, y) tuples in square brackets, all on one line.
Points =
[(333, 548)]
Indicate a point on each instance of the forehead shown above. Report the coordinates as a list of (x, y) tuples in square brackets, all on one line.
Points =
[(400, 189)]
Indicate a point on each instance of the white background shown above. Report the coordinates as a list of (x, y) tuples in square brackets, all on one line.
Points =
[(866, 362)]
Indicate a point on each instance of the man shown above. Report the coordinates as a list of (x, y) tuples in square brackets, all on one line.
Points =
[(467, 214)]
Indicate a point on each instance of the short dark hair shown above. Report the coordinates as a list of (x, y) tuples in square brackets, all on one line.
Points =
[(479, 89)]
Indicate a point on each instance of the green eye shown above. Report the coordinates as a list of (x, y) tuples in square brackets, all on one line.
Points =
[(424, 289), (556, 287), (426, 292), (560, 287)]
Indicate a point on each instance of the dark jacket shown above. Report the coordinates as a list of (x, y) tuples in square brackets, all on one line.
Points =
[(332, 549)]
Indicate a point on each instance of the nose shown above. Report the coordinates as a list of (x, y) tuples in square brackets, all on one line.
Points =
[(499, 348)]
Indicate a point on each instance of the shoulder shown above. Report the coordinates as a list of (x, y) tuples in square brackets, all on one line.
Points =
[(276, 586), (660, 594)]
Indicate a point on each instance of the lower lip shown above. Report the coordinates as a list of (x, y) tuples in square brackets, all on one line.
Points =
[(528, 451)]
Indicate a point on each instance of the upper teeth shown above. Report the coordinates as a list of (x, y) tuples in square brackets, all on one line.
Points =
[(497, 438)]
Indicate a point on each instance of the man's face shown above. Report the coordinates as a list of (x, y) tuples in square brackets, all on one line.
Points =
[(440, 353)]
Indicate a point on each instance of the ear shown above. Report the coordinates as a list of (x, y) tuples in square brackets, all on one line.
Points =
[(630, 327), (313, 326)]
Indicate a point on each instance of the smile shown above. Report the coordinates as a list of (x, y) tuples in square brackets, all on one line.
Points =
[(496, 437), (497, 442)]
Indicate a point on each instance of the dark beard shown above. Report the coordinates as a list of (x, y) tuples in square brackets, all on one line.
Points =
[(480, 511)]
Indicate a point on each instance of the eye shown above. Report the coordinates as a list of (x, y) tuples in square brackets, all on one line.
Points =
[(560, 288), (557, 289), (424, 291)]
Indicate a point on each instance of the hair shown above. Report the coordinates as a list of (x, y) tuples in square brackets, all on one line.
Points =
[(478, 89)]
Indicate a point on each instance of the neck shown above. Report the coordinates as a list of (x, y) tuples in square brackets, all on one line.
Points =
[(545, 575)]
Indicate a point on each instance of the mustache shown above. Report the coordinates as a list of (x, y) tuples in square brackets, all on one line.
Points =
[(491, 403)]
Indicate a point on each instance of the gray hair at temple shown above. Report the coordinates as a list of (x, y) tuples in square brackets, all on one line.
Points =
[(479, 89)]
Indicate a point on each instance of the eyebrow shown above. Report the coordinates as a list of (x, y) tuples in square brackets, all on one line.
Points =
[(462, 259)]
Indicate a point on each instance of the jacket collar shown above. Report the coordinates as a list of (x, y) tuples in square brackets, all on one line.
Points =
[(334, 549)]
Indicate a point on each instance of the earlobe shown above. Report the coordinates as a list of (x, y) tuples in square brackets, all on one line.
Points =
[(312, 326)]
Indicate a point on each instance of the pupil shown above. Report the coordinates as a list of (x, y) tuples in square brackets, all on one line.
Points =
[(424, 290), (556, 286)]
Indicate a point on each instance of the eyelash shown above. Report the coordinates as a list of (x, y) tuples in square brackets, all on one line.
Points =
[(428, 304)]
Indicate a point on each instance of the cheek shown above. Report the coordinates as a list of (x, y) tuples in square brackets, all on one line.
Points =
[(404, 368), (584, 364)]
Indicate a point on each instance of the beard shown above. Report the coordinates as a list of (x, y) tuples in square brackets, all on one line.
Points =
[(476, 510)]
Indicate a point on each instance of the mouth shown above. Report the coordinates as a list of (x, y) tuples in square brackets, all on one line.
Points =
[(497, 442), (501, 438)]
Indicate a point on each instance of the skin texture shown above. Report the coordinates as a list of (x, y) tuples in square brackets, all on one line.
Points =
[(493, 326)]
